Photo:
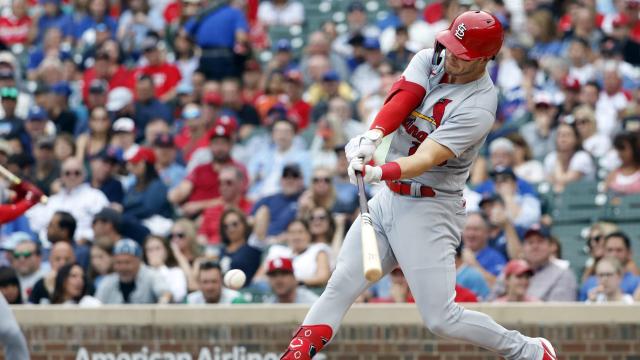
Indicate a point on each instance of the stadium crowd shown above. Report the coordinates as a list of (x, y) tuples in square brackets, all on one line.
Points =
[(178, 139)]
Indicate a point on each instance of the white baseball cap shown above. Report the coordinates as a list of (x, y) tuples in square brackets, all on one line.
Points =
[(124, 124), (118, 98)]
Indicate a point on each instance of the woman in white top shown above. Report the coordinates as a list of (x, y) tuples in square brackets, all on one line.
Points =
[(524, 165), (160, 258), (71, 287), (593, 142), (568, 163), (281, 12), (609, 273)]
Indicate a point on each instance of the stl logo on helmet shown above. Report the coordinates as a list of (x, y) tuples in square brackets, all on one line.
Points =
[(460, 31)]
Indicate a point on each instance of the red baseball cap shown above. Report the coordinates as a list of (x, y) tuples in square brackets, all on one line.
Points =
[(281, 265), (229, 122), (143, 154), (212, 98), (517, 267), (571, 83)]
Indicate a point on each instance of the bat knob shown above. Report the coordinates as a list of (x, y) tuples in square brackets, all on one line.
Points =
[(373, 275)]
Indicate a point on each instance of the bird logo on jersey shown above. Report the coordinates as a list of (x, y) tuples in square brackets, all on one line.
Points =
[(460, 31)]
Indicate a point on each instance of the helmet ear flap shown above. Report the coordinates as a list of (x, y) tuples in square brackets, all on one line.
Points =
[(438, 54)]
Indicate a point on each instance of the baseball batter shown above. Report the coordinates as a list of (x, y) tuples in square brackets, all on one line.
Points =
[(440, 112)]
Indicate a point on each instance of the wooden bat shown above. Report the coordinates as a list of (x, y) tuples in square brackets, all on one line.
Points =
[(16, 180), (370, 254)]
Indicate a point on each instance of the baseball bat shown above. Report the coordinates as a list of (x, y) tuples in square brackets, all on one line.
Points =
[(370, 254), (16, 180)]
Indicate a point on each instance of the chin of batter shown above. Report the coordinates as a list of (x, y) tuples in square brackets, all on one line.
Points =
[(439, 115)]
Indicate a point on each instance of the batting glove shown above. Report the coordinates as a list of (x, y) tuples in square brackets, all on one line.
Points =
[(363, 146), (370, 174)]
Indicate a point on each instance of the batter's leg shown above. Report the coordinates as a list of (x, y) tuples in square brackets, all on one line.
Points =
[(346, 283), (424, 239)]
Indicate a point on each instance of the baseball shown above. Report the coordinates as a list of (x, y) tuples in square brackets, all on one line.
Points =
[(234, 279)]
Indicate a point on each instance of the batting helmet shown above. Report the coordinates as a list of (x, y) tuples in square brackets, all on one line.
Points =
[(472, 35)]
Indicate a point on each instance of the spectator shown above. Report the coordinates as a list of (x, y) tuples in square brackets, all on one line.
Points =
[(540, 133), (568, 163), (101, 261), (595, 242), (123, 135), (400, 54), (357, 29), (103, 166), (232, 196), (211, 289), (325, 228), (609, 272), (154, 129), (26, 260), (502, 156), (476, 251), (593, 142), (15, 27), (281, 13), (165, 76), (148, 104), (626, 178), (186, 59), (299, 110), (37, 126), (98, 14), (517, 275), (60, 255), (285, 286), (11, 124), (46, 170), (169, 170), (421, 34), (135, 23), (148, 197), (280, 209), (53, 18), (98, 136), (320, 58), (540, 25), (617, 245), (365, 78), (61, 228), (10, 285), (266, 168), (132, 282), (193, 133), (524, 165), (401, 293), (611, 100), (523, 209), (64, 147), (65, 120), (236, 252), (117, 76), (221, 52), (72, 287), (160, 258), (321, 193), (550, 282), (273, 98), (186, 249), (232, 101), (346, 193), (107, 225), (470, 278)]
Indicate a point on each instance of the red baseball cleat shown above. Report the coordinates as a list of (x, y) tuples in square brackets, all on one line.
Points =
[(549, 353), (308, 341)]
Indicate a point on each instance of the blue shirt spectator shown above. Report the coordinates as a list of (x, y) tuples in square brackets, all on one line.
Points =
[(491, 260), (473, 280), (629, 284), (224, 22), (148, 196)]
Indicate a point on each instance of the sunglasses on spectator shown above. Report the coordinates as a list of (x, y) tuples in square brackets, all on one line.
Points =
[(318, 217), (231, 224), (605, 274), (178, 235), (595, 238), (291, 175), (227, 182), (581, 121), (72, 173), (325, 180), (24, 254)]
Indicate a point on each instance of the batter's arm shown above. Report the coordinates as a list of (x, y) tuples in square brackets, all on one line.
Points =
[(428, 155)]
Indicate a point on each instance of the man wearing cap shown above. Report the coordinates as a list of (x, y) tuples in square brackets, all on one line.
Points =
[(47, 168), (171, 173), (476, 251), (36, 126), (10, 124), (366, 78), (132, 282), (148, 196), (284, 285), (211, 289), (517, 274), (8, 77), (108, 69), (120, 102), (53, 18), (147, 104), (58, 108), (299, 108), (502, 156), (523, 209), (102, 165), (165, 76), (357, 25), (193, 136), (540, 133), (283, 58), (107, 225), (235, 106), (124, 134), (97, 95), (421, 34)]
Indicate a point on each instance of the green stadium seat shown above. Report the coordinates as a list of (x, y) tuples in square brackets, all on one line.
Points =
[(573, 244), (623, 208)]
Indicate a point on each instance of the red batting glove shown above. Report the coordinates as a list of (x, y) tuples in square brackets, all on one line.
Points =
[(33, 194)]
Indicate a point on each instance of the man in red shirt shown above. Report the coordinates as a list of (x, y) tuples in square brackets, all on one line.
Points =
[(108, 69), (298, 109), (15, 27), (201, 188), (165, 76)]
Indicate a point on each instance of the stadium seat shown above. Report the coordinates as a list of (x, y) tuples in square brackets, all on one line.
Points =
[(573, 244), (623, 208)]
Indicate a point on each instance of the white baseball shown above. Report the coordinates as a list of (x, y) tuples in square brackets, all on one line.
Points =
[(234, 279)]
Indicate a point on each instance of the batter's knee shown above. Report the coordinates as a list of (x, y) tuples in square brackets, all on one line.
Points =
[(442, 323)]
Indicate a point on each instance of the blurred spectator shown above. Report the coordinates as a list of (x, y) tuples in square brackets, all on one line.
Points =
[(319, 47), (311, 261), (133, 282), (72, 287), (580, 57), (421, 34), (61, 253), (281, 208), (232, 101), (10, 123), (221, 52), (148, 197), (165, 76), (236, 252), (103, 167), (107, 225), (282, 60), (476, 252), (357, 26), (365, 78), (550, 282), (46, 170), (523, 209), (138, 20), (626, 178), (193, 132), (595, 243), (517, 274), (470, 278), (123, 135), (53, 18), (502, 156), (346, 193), (568, 162), (154, 129), (285, 286), (101, 261), (570, 87), (10, 285), (75, 197), (273, 98), (9, 70), (64, 147), (609, 272), (148, 104), (186, 59), (232, 195), (400, 54), (97, 15), (65, 120), (26, 260), (540, 134), (37, 126), (325, 228), (616, 245), (116, 75), (593, 142), (97, 95), (321, 193), (401, 293), (16, 25), (541, 28), (61, 228), (160, 258), (524, 165), (298, 109), (186, 249), (169, 170), (611, 100), (328, 87), (281, 13), (211, 289), (266, 167)]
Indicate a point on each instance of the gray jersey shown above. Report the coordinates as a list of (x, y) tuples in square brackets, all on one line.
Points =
[(458, 116)]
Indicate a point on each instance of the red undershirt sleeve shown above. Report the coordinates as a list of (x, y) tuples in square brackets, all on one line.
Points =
[(403, 97)]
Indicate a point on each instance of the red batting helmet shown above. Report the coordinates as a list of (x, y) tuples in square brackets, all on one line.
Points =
[(472, 35)]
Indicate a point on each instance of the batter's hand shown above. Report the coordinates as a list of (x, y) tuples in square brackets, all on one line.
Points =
[(363, 146), (371, 174)]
